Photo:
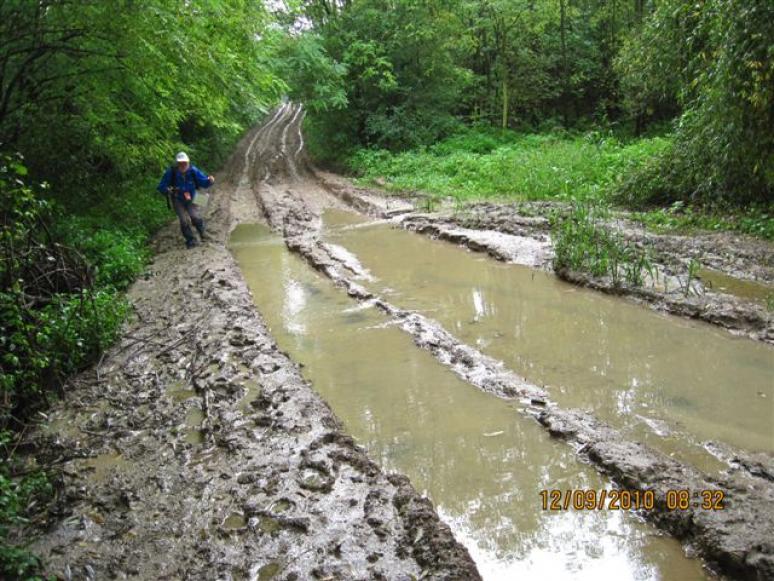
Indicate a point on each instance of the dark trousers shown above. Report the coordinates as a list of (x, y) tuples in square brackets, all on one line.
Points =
[(188, 213)]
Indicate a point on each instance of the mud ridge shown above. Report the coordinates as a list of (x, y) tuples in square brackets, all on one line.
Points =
[(196, 449), (729, 312), (300, 229), (737, 540)]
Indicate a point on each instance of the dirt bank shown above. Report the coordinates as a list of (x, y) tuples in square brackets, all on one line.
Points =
[(736, 539), (195, 449)]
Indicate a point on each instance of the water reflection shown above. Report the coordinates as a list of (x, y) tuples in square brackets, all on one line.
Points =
[(481, 462), (632, 367)]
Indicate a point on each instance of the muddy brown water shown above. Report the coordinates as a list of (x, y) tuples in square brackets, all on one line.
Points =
[(681, 386), (481, 461), (759, 292)]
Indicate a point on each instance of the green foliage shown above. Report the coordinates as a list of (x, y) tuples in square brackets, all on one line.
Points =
[(756, 221), (551, 65), (53, 321), (724, 147), (651, 63), (118, 252), (315, 79), (128, 84), (17, 493), (403, 79), (584, 243), (480, 164)]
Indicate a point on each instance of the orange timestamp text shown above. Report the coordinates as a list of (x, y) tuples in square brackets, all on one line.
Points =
[(621, 499)]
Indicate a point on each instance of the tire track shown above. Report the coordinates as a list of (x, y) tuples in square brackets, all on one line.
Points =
[(737, 539)]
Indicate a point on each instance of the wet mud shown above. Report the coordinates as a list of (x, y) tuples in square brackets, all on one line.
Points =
[(196, 449), (208, 486), (520, 234), (735, 539), (482, 463)]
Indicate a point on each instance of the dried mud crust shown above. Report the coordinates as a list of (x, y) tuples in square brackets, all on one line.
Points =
[(737, 540), (195, 449), (520, 234)]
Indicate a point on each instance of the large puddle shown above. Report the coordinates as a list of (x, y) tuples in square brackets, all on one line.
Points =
[(676, 384), (480, 460)]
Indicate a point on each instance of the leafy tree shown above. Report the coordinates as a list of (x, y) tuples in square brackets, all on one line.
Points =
[(315, 79), (724, 146), (98, 96), (403, 79)]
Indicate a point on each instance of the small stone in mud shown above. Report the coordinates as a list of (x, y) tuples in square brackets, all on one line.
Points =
[(246, 478), (234, 521), (267, 368), (282, 505), (263, 421)]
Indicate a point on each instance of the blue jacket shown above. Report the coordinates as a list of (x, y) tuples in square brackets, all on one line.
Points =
[(194, 178)]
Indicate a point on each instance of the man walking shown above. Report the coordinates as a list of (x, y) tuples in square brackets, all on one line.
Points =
[(180, 183)]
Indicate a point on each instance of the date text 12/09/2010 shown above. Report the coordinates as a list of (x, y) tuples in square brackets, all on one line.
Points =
[(617, 499)]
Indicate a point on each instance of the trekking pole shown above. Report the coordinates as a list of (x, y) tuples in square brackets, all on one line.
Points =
[(170, 192)]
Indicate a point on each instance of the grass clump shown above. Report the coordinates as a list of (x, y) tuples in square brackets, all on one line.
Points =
[(584, 243), (755, 221), (596, 167)]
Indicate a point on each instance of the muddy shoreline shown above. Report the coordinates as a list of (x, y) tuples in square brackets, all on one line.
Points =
[(520, 234), (196, 449), (736, 540)]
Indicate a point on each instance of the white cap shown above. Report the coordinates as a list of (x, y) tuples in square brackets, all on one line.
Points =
[(182, 157)]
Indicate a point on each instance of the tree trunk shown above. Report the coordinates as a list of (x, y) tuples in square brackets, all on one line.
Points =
[(505, 102), (565, 79)]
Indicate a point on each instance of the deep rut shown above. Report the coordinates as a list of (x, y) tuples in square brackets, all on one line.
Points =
[(737, 539), (196, 450)]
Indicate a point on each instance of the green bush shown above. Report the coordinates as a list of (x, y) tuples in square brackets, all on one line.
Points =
[(118, 257), (16, 495), (55, 315), (723, 150)]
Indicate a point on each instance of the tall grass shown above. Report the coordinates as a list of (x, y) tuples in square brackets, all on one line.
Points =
[(583, 243), (479, 164)]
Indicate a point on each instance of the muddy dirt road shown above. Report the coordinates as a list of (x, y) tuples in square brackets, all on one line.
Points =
[(293, 198), (197, 449)]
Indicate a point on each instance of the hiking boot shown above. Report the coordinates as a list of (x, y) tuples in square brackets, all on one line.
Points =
[(191, 243), (204, 236)]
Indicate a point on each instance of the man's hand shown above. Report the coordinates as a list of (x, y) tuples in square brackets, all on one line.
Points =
[(211, 179)]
